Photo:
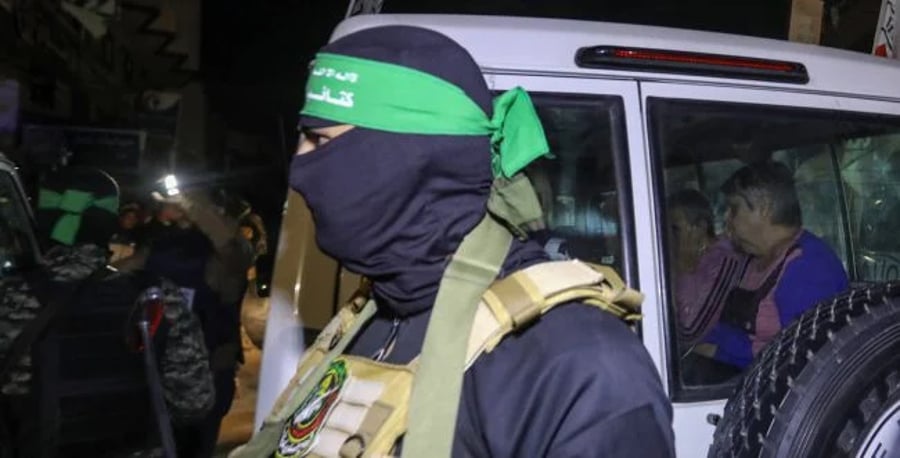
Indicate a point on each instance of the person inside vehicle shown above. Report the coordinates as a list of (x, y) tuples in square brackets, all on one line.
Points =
[(399, 192), (707, 267), (790, 270)]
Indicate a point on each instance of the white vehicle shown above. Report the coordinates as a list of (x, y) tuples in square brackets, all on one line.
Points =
[(634, 113)]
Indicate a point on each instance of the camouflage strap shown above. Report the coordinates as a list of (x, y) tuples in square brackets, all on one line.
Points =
[(51, 304), (515, 202), (521, 298), (434, 402)]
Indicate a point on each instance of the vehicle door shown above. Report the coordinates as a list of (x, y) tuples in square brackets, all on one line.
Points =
[(844, 153)]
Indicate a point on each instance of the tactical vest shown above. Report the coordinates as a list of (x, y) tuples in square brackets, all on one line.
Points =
[(360, 407)]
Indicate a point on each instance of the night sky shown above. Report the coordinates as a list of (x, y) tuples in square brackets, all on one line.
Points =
[(254, 54), (257, 51), (265, 40)]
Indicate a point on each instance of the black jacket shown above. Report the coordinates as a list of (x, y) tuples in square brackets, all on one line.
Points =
[(578, 382)]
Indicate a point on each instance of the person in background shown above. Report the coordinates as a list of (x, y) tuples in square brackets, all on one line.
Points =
[(165, 218), (707, 267), (254, 230), (76, 216), (124, 241), (130, 216), (198, 246), (790, 269)]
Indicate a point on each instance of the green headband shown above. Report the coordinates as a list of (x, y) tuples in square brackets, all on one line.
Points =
[(393, 98), (73, 203)]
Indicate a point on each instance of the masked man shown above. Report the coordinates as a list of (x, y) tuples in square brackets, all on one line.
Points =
[(397, 168)]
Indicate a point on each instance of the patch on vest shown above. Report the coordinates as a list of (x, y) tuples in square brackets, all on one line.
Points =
[(302, 429)]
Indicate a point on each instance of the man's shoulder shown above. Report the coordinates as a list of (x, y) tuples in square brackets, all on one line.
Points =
[(571, 337), (581, 371)]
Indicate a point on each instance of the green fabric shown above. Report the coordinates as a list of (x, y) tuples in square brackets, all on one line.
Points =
[(516, 203), (393, 98), (73, 203), (436, 391), (265, 442)]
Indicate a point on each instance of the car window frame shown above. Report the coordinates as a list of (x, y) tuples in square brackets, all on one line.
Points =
[(821, 104), (620, 162)]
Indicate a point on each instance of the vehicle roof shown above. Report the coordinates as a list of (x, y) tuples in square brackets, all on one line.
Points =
[(547, 46)]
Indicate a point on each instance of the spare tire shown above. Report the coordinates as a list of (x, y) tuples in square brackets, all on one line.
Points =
[(828, 386)]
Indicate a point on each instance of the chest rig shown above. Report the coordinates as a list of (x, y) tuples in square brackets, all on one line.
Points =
[(349, 406)]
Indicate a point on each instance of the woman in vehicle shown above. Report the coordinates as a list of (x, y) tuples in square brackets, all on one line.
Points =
[(707, 267), (790, 271)]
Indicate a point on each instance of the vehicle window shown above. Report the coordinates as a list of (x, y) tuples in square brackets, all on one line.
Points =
[(577, 187), (16, 248), (870, 168), (721, 291)]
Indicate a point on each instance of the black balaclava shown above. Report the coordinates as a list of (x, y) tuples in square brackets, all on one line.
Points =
[(395, 207)]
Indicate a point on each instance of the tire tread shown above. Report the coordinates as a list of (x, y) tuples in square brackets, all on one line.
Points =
[(772, 377)]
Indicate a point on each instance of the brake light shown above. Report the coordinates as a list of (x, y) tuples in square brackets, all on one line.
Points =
[(664, 61)]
